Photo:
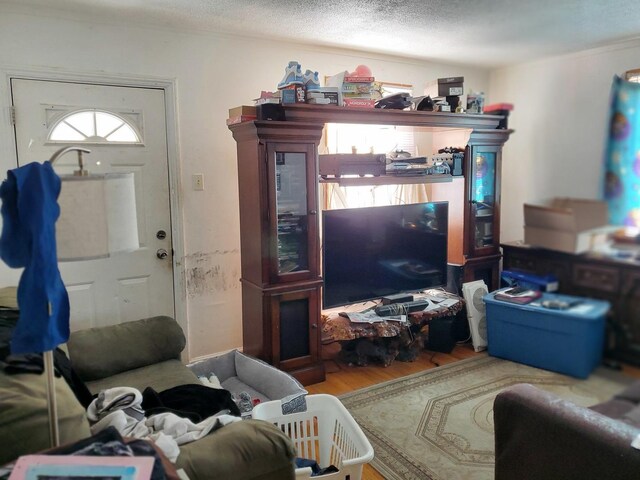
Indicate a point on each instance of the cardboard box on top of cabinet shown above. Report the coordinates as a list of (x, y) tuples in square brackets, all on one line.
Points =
[(567, 224)]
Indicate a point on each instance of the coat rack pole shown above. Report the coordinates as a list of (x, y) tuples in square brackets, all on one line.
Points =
[(52, 406)]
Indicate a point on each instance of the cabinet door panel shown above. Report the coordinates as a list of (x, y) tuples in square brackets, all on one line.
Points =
[(295, 317), (484, 200), (630, 306), (514, 261), (292, 212)]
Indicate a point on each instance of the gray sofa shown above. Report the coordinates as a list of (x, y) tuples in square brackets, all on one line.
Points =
[(137, 354), (540, 436)]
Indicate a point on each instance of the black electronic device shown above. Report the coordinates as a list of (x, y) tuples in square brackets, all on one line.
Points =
[(441, 336), (516, 290), (450, 86), (338, 164), (373, 252), (398, 298), (401, 308), (455, 159), (270, 111), (397, 101), (453, 100), (425, 105)]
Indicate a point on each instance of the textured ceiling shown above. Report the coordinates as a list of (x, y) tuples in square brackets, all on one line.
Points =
[(481, 32)]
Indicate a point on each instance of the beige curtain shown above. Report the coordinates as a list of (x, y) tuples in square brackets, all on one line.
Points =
[(333, 196)]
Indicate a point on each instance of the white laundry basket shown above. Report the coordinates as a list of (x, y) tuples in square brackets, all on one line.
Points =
[(326, 433)]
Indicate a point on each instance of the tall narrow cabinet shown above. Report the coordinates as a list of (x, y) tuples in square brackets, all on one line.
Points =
[(483, 163), (278, 178)]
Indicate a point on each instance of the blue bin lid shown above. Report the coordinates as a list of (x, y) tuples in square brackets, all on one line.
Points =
[(583, 308)]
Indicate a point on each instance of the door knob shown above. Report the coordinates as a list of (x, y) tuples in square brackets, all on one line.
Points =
[(161, 253), (161, 235)]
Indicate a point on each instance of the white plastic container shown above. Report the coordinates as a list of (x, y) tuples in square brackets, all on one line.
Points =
[(326, 433)]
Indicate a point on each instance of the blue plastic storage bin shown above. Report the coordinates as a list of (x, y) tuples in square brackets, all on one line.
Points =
[(567, 341)]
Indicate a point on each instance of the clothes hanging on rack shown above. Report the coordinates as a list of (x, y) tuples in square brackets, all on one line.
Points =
[(29, 212)]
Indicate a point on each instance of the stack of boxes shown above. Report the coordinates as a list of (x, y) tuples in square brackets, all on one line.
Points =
[(244, 113), (446, 93), (324, 96), (358, 91), (292, 94)]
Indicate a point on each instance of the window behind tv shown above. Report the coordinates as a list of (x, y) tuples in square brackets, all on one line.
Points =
[(376, 251)]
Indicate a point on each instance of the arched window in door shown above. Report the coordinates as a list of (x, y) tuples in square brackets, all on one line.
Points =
[(94, 126)]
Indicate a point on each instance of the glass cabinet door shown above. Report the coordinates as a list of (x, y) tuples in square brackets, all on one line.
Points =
[(483, 199), (294, 211)]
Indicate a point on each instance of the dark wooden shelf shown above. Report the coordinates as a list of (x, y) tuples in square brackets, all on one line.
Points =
[(387, 180), (433, 120)]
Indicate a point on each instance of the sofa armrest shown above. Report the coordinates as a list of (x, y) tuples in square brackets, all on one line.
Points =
[(24, 419), (101, 352), (538, 435), (248, 450)]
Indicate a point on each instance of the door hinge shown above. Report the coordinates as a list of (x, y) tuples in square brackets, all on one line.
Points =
[(12, 115)]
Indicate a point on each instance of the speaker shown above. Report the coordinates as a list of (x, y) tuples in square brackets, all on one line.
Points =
[(441, 336), (270, 111), (456, 164), (454, 278)]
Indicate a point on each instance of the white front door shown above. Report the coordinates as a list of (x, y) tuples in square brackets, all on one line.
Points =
[(50, 115)]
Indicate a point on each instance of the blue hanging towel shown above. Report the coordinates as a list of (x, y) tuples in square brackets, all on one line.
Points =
[(29, 213)]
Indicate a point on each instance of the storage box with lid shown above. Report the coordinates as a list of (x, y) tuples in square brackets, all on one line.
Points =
[(569, 341), (445, 87), (566, 224)]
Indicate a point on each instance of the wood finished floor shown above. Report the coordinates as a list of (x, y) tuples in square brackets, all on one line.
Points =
[(341, 378)]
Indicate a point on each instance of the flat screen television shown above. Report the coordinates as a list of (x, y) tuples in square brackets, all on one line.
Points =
[(376, 251)]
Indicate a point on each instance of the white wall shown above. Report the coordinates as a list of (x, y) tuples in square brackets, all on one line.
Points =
[(213, 73), (560, 121)]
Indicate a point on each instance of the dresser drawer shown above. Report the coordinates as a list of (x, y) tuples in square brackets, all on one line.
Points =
[(596, 277), (514, 261)]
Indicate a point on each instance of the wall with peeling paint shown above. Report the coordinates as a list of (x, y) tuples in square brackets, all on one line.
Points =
[(213, 73)]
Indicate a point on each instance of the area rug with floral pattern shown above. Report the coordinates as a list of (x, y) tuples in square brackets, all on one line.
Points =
[(438, 424)]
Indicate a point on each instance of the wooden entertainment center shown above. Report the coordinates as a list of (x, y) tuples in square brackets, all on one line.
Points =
[(279, 219)]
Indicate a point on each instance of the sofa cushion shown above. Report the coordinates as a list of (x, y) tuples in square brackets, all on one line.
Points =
[(9, 297), (613, 408), (632, 417), (24, 422), (98, 353), (631, 393), (251, 450), (161, 376)]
